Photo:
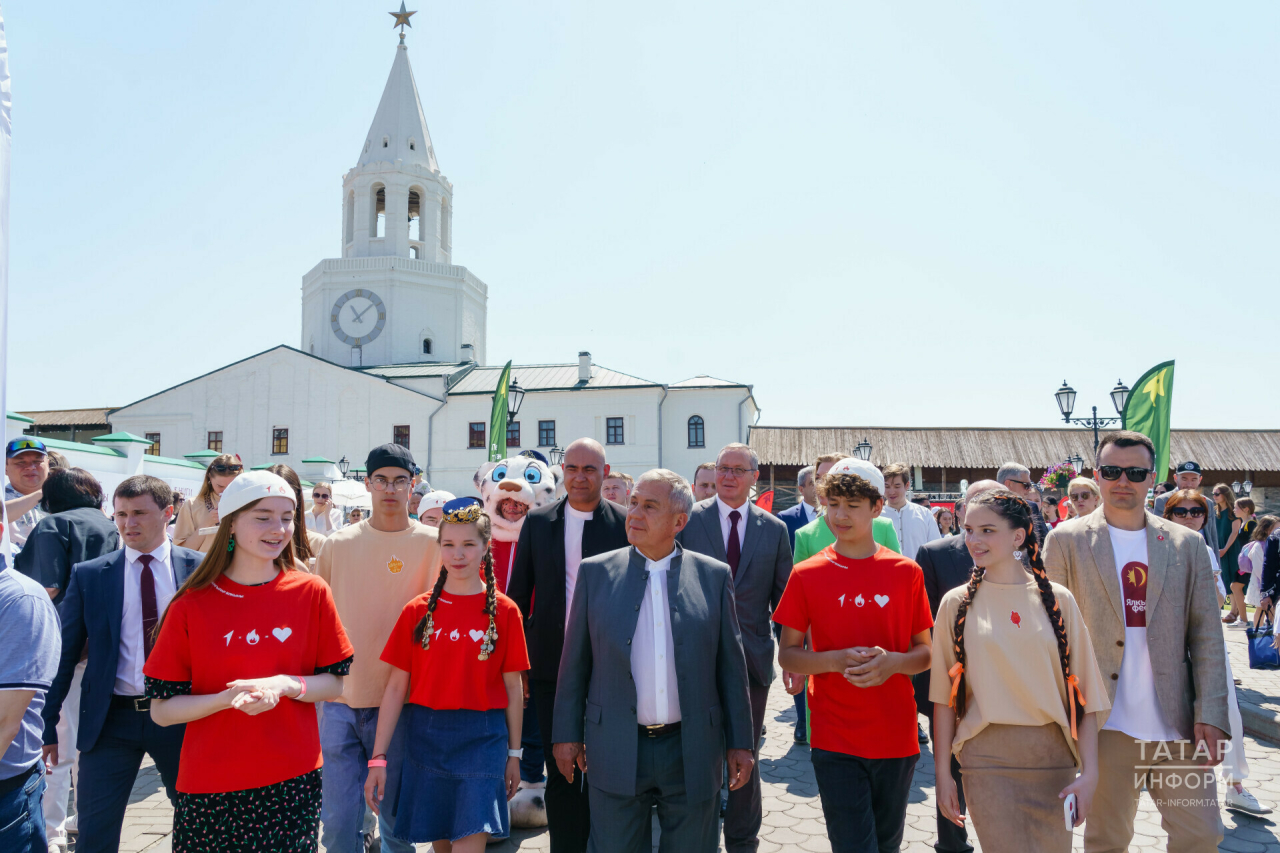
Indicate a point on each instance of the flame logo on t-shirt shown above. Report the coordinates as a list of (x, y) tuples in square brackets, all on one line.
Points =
[(454, 635), (1015, 618), (252, 638), (859, 600), (394, 566)]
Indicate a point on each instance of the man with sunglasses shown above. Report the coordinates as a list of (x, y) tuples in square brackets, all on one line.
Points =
[(1188, 475), (26, 466), (1017, 479), (374, 568), (1145, 587)]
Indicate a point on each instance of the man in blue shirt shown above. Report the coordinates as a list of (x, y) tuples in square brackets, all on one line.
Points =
[(27, 621)]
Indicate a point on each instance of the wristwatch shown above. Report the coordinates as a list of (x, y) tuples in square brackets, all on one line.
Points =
[(515, 753)]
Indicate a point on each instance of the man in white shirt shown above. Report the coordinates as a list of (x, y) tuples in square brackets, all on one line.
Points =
[(914, 524), (654, 642), (115, 726), (1145, 588), (553, 542)]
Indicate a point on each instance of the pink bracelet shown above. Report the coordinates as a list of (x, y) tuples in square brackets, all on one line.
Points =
[(377, 762), (303, 691)]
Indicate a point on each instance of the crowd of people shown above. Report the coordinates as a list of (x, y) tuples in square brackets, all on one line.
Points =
[(608, 645)]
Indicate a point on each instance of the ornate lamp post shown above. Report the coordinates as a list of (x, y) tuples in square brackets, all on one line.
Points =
[(863, 450), (556, 455), (344, 466), (1066, 397), (515, 396)]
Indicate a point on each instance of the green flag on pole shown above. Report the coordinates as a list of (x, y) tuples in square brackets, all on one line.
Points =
[(1149, 411), (498, 420)]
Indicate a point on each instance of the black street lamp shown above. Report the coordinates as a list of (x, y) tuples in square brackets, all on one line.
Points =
[(863, 450), (1066, 397), (515, 396), (1077, 462), (556, 454), (344, 466)]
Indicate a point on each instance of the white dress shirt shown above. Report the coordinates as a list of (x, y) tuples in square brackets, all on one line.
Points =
[(914, 525), (810, 512), (573, 521), (653, 663), (132, 653), (326, 522), (744, 511)]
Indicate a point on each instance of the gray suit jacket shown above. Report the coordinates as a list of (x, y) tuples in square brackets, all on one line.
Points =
[(763, 570), (596, 692)]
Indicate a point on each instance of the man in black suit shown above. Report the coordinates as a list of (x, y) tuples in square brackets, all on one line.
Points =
[(553, 543), (946, 564), (111, 606)]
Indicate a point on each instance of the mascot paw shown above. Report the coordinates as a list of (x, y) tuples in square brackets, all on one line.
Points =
[(528, 806)]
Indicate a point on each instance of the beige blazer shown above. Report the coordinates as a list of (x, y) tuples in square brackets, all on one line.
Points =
[(1184, 632)]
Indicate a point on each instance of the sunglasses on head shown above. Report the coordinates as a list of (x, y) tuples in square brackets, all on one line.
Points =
[(227, 469), (1184, 511), (1134, 474)]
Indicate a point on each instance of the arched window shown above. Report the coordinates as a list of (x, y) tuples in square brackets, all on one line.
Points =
[(415, 216), (349, 219), (413, 145), (697, 432), (378, 211), (426, 346), (385, 141), (444, 224)]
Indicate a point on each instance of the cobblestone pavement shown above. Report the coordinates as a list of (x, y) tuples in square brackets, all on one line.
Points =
[(793, 815)]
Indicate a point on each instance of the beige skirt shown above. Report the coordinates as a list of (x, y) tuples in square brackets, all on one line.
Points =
[(1012, 777)]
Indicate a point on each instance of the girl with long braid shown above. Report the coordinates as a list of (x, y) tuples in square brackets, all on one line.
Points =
[(457, 654), (1016, 689)]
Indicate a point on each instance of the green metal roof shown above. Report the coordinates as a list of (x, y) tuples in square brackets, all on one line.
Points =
[(318, 460), (306, 484), (59, 444), (181, 463), (14, 416), (262, 467), (121, 438), (202, 454)]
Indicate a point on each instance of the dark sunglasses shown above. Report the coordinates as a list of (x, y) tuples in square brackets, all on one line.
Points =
[(1183, 512), (1113, 472), (227, 469)]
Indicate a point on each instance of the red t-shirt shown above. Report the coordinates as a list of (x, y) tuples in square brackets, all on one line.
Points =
[(226, 631), (450, 675), (879, 601)]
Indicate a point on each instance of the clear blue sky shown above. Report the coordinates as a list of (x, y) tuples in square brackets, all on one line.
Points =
[(878, 213)]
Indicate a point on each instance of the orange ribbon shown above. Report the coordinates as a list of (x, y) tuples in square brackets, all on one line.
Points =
[(955, 672), (1073, 683)]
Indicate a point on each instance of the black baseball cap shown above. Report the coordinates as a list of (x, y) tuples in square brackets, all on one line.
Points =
[(389, 456), (1188, 467)]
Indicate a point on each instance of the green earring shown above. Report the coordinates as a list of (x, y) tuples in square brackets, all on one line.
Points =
[(231, 543)]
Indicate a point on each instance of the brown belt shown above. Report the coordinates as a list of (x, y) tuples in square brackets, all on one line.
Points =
[(659, 731)]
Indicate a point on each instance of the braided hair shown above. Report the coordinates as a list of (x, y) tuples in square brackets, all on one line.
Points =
[(1017, 512), (426, 625)]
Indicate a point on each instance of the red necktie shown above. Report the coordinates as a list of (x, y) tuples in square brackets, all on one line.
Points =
[(149, 614), (733, 549)]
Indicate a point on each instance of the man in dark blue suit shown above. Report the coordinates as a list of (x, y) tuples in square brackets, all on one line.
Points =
[(111, 608), (806, 510)]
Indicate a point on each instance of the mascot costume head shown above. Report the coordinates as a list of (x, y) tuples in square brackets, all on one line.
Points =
[(511, 487)]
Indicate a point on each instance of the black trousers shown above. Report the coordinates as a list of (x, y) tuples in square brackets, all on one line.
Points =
[(951, 838), (568, 803), (745, 810), (108, 770), (864, 800)]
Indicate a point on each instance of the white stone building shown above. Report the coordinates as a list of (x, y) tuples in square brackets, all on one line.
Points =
[(394, 349)]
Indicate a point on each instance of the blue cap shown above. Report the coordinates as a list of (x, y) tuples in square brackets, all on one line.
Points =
[(22, 445)]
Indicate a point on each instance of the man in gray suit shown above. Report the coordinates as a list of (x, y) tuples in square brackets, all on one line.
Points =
[(653, 683), (755, 544)]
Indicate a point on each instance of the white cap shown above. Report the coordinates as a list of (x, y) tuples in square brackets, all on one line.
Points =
[(858, 468), (434, 500), (251, 486)]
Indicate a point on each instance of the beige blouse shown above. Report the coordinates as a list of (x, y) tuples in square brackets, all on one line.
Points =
[(1013, 675), (193, 516)]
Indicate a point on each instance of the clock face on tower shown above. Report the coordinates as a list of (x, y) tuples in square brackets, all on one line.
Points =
[(358, 317)]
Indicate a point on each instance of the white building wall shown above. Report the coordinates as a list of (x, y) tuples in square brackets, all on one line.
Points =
[(328, 411), (719, 408)]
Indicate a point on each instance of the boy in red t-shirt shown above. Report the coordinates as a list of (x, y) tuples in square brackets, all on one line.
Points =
[(868, 617)]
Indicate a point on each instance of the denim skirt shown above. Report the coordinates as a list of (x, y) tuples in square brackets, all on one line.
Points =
[(452, 781)]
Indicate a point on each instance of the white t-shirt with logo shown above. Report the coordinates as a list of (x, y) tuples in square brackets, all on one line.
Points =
[(1136, 708)]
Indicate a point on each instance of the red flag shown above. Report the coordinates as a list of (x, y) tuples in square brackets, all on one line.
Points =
[(765, 501)]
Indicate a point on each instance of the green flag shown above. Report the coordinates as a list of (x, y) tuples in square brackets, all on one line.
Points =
[(1149, 411), (498, 420)]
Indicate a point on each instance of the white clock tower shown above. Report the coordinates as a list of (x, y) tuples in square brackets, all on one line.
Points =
[(395, 297)]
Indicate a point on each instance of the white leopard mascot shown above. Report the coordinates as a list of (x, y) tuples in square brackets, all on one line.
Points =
[(510, 488)]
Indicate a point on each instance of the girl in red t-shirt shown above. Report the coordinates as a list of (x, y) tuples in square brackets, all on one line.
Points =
[(246, 647), (458, 653)]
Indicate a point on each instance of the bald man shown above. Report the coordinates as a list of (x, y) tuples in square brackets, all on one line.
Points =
[(946, 563), (554, 541)]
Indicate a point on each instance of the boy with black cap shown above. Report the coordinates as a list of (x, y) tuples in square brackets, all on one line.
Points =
[(374, 568)]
